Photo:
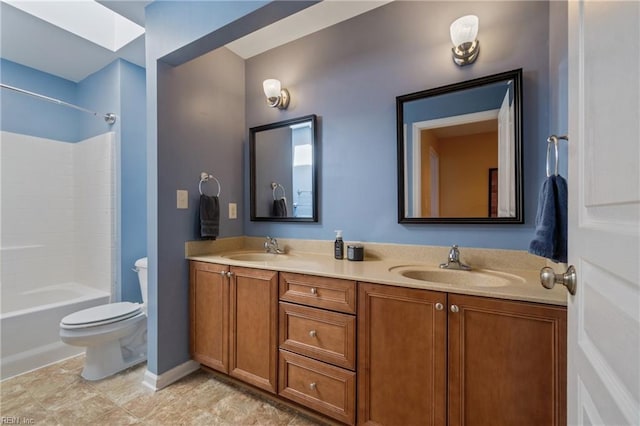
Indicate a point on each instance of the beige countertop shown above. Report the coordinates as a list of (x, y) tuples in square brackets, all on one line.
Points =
[(521, 284)]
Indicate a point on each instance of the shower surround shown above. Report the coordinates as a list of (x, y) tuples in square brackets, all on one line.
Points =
[(57, 234)]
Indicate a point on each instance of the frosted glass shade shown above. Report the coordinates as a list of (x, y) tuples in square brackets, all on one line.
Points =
[(464, 30), (271, 88)]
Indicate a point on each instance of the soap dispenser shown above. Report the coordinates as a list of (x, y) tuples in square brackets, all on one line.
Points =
[(338, 246)]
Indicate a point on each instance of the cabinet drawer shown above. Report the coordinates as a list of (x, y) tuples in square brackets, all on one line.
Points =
[(327, 293), (323, 335), (319, 386)]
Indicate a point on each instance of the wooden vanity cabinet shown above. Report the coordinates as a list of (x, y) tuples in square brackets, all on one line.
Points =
[(402, 367), (477, 361), (253, 323), (507, 362), (209, 314), (234, 321), (423, 357)]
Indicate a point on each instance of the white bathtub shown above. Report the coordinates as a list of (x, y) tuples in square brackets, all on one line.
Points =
[(30, 329)]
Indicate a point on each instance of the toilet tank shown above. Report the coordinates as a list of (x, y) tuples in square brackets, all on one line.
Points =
[(141, 269)]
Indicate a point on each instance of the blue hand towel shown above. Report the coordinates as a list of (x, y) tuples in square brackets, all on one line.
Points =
[(550, 239), (209, 217)]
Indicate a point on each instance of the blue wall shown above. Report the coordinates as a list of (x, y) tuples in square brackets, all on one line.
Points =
[(31, 116), (457, 103), (350, 75), (169, 27), (559, 78), (119, 88), (133, 176), (100, 92)]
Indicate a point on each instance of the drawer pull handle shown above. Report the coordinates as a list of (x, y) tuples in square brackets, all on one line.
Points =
[(314, 290), (313, 333), (313, 386), (439, 306)]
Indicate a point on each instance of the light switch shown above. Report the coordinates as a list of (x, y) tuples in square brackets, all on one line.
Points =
[(233, 211), (182, 196)]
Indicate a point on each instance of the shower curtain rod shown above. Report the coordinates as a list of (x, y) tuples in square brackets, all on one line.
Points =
[(110, 117)]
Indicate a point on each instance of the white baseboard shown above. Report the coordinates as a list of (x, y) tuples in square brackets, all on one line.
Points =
[(155, 382)]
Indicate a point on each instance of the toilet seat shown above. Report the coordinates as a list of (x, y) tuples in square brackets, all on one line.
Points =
[(101, 315)]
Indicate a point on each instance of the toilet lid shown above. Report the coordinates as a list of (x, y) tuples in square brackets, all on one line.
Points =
[(103, 314)]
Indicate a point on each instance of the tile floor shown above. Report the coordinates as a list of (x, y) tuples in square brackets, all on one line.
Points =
[(57, 395)]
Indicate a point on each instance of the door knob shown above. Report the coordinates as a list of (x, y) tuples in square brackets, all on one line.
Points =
[(548, 278)]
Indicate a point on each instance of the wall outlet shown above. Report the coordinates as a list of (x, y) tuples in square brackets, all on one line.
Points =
[(182, 197), (233, 211)]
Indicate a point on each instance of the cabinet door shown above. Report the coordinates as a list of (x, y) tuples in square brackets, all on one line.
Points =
[(209, 312), (254, 327), (507, 362), (401, 356)]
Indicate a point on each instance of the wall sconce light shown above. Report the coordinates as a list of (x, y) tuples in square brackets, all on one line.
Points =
[(276, 95), (466, 47)]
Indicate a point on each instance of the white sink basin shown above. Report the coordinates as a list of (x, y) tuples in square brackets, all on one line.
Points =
[(475, 278), (256, 256)]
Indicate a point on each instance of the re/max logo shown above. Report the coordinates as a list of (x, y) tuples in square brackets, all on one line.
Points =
[(16, 420)]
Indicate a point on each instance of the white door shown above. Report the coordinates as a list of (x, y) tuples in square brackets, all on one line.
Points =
[(604, 212)]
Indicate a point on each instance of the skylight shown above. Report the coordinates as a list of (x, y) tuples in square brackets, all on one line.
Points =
[(84, 18)]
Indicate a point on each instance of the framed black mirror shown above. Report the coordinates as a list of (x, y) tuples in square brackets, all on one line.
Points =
[(460, 152), (284, 169)]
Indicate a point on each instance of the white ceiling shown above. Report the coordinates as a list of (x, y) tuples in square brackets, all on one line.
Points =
[(307, 21), (38, 44)]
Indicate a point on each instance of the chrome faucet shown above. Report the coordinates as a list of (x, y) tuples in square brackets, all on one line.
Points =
[(271, 246), (453, 261)]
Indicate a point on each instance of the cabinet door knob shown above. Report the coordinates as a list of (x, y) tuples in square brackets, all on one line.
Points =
[(223, 273), (313, 386), (229, 274), (313, 333), (314, 290), (454, 308), (439, 306)]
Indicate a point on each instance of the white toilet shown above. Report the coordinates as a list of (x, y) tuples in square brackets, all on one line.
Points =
[(115, 334)]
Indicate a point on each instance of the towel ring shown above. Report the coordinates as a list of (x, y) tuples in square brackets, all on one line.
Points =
[(553, 139), (274, 186), (204, 177), (552, 142)]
